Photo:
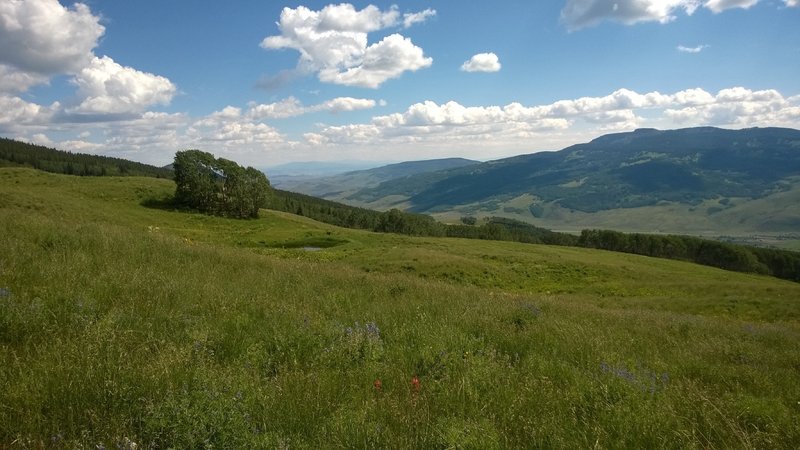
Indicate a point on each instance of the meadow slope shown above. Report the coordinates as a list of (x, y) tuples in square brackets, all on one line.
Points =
[(121, 323)]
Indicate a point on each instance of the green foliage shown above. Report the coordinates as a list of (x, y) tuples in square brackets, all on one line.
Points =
[(396, 221), (218, 186), (469, 220), (15, 153)]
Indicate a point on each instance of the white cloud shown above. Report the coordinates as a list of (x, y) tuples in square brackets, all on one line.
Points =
[(455, 129), (385, 60), (333, 43), (697, 49), (229, 128), (578, 14), (106, 87), (422, 130), (16, 112), (721, 5), (344, 104), (410, 19), (582, 13), (43, 37), (740, 107), (482, 62), (791, 3), (292, 107), (288, 107), (15, 80)]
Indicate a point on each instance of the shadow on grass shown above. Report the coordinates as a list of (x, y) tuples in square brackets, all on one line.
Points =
[(311, 242), (166, 203)]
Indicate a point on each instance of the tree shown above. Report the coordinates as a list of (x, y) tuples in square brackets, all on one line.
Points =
[(218, 186)]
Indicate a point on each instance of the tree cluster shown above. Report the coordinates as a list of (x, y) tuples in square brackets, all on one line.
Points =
[(218, 186)]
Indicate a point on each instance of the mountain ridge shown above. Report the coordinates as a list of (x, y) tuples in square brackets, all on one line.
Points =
[(620, 170), (345, 184)]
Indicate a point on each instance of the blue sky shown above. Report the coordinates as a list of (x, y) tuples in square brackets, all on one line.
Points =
[(266, 83)]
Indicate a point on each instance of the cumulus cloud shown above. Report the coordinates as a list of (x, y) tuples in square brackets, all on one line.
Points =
[(578, 14), (106, 87), (382, 61), (291, 107), (16, 112), (697, 49), (14, 80), (739, 107), (44, 37), (515, 125), (333, 43), (482, 62)]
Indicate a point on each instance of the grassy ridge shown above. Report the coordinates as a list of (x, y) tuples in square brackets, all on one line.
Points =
[(120, 324)]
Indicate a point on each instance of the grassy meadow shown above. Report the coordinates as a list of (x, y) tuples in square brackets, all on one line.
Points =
[(127, 326)]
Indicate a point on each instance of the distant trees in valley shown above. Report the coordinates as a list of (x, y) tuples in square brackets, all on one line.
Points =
[(218, 186), (740, 258)]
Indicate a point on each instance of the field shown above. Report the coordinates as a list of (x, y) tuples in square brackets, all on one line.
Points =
[(123, 324)]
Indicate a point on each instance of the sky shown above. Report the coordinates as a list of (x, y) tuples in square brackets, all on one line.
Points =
[(266, 83)]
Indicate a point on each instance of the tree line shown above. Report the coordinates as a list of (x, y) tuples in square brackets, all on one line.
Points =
[(740, 258), (16, 153)]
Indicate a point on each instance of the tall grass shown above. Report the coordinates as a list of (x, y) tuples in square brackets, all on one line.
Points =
[(113, 333)]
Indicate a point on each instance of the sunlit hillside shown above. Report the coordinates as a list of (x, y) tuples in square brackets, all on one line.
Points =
[(123, 324)]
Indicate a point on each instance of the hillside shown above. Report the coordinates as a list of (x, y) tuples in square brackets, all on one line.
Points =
[(125, 324), (16, 153), (338, 187), (706, 181)]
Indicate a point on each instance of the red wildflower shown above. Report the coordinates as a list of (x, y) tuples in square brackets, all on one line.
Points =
[(377, 383), (415, 383)]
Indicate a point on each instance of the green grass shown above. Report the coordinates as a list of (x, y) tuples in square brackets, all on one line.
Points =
[(121, 323)]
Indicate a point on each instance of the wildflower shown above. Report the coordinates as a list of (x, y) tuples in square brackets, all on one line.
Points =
[(373, 330), (415, 384), (377, 383)]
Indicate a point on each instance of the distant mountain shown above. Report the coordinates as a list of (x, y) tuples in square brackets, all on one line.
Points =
[(707, 168), (317, 169), (344, 185)]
